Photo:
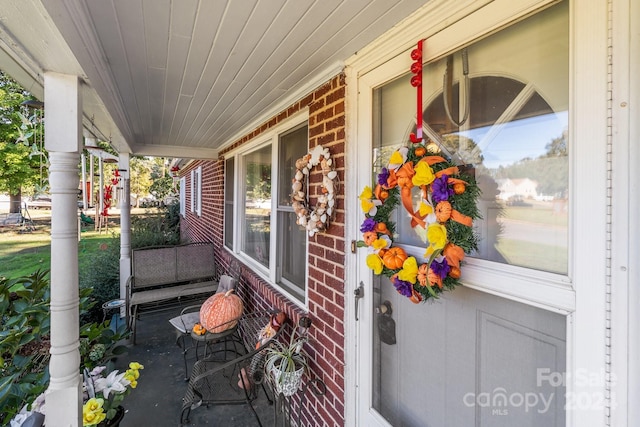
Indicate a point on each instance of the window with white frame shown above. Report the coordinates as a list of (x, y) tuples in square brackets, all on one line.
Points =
[(196, 191), (229, 198), (263, 222), (183, 197)]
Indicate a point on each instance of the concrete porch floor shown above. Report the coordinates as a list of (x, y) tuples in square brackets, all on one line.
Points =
[(157, 401)]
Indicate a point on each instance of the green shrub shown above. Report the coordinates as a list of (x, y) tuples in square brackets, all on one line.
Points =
[(103, 278), (103, 275), (25, 326)]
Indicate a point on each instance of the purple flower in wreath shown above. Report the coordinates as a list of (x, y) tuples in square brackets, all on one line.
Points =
[(440, 189), (383, 176), (440, 266), (369, 224), (403, 288)]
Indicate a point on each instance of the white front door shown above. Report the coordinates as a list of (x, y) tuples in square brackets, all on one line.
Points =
[(494, 352)]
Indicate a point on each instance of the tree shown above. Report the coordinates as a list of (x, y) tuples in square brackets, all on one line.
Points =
[(20, 167), (162, 184), (140, 176)]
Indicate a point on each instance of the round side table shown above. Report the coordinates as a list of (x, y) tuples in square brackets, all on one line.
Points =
[(114, 304)]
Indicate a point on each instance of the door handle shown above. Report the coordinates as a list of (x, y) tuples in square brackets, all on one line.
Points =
[(358, 293)]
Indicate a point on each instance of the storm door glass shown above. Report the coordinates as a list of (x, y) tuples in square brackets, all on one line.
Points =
[(472, 358), (509, 123)]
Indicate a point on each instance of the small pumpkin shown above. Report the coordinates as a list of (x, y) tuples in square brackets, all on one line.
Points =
[(218, 311), (394, 258), (443, 211), (369, 237), (420, 151), (459, 187), (198, 329), (381, 227)]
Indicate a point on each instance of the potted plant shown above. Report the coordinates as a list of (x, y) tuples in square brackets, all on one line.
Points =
[(287, 362)]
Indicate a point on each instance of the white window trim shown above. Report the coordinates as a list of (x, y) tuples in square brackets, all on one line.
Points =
[(196, 191), (192, 190), (580, 293), (183, 197), (199, 191), (271, 137)]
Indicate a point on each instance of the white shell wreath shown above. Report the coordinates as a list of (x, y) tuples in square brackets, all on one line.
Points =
[(317, 219)]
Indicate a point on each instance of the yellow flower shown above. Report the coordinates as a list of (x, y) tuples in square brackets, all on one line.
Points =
[(437, 235), (92, 412), (374, 262), (136, 366), (132, 373), (423, 174), (368, 203), (425, 209), (398, 158), (381, 243), (409, 271)]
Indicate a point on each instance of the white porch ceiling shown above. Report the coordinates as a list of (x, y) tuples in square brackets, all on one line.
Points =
[(184, 77)]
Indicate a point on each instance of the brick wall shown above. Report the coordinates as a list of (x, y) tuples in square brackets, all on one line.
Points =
[(326, 255)]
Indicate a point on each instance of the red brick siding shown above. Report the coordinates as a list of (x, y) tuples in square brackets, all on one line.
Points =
[(326, 250)]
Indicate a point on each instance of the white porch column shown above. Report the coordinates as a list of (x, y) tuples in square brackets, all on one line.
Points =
[(100, 204), (63, 136), (125, 224)]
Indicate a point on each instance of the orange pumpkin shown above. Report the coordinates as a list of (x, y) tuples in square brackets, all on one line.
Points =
[(420, 151), (381, 227), (198, 329), (369, 237), (443, 211), (218, 311), (394, 258), (459, 187)]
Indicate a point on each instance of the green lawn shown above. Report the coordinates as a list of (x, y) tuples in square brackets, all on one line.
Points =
[(537, 212), (24, 253)]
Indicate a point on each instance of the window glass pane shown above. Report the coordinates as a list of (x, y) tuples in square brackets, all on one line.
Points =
[(515, 136), (292, 240), (229, 169), (293, 145), (292, 253), (257, 205)]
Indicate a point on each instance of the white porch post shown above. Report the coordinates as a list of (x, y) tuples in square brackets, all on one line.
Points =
[(125, 224), (63, 133)]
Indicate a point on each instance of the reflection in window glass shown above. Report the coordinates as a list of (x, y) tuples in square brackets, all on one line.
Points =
[(292, 250), (515, 136), (257, 207)]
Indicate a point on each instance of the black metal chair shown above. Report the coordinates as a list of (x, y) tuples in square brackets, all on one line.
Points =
[(187, 319), (213, 382)]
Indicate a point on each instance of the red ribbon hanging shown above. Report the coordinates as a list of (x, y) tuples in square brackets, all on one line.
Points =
[(416, 81)]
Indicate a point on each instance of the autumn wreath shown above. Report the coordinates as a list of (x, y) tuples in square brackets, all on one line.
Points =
[(446, 210), (314, 219)]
